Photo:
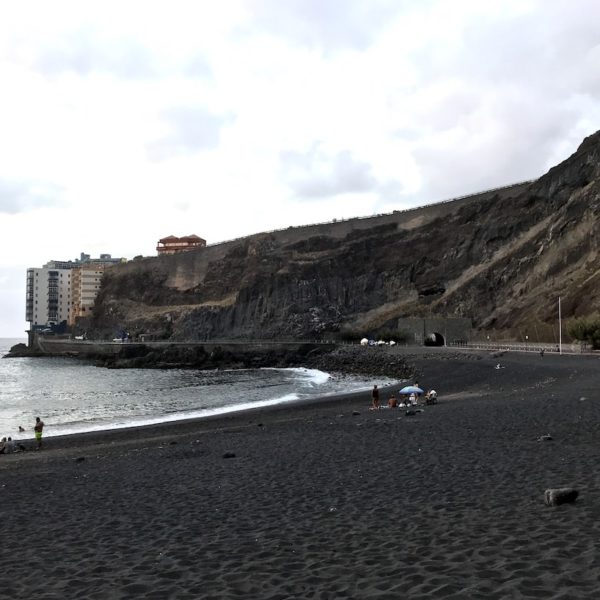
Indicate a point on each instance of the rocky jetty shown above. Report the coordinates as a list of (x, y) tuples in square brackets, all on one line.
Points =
[(384, 362), (22, 351)]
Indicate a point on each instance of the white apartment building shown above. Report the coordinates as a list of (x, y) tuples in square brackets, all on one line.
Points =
[(64, 290), (48, 296)]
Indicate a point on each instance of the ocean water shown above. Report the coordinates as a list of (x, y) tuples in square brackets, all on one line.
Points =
[(73, 396)]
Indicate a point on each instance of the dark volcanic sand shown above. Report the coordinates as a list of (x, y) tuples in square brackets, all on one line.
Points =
[(321, 503)]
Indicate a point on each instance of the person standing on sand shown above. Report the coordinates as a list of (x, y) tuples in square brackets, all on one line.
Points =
[(38, 428), (375, 397)]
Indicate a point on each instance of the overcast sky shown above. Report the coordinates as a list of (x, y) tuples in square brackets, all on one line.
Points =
[(124, 122)]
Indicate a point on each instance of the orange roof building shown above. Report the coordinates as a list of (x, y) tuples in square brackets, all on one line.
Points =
[(172, 244)]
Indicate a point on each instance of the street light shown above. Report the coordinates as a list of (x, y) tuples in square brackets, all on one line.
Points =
[(526, 339), (559, 329)]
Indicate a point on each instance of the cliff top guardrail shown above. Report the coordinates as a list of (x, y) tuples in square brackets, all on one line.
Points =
[(379, 215)]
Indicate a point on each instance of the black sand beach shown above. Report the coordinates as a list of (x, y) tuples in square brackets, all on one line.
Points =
[(316, 501)]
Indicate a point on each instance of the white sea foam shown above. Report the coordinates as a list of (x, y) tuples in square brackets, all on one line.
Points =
[(72, 429), (313, 376), (307, 376)]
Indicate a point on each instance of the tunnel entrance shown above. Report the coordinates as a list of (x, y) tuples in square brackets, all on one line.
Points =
[(435, 339)]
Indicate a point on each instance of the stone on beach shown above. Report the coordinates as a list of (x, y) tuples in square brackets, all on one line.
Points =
[(557, 496)]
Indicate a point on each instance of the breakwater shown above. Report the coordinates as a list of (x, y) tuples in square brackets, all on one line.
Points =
[(327, 357)]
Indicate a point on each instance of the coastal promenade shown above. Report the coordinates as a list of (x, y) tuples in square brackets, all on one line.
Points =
[(69, 346), (57, 346)]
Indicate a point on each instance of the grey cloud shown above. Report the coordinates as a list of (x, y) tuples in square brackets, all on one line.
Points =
[(313, 174), (86, 51), (329, 25), (550, 48), (198, 67), (22, 196), (544, 54), (390, 192), (520, 152), (516, 104), (191, 130)]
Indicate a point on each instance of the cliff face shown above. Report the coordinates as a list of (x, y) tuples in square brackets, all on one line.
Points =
[(501, 259)]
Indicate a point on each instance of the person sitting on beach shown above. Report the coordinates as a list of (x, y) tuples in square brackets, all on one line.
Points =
[(431, 397), (392, 402), (412, 399), (9, 448), (3, 446), (375, 398)]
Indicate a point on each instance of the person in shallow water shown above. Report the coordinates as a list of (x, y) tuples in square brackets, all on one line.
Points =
[(38, 428), (375, 397)]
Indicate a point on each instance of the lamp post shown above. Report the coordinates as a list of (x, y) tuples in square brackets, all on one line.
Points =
[(559, 329), (526, 343)]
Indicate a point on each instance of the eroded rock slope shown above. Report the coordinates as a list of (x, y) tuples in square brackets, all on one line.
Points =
[(501, 259)]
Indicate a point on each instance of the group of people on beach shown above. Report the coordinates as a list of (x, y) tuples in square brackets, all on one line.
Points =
[(8, 445), (412, 398)]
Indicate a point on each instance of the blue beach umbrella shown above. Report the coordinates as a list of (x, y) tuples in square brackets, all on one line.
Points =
[(411, 389)]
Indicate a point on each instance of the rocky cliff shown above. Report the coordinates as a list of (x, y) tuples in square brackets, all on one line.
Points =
[(501, 259)]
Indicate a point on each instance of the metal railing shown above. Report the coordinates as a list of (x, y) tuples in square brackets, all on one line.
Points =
[(508, 346), (394, 212)]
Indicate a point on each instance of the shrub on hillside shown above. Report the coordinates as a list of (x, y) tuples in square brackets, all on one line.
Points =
[(587, 330)]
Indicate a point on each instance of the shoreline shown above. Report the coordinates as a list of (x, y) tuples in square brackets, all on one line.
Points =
[(321, 386), (419, 358), (208, 423), (345, 368)]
